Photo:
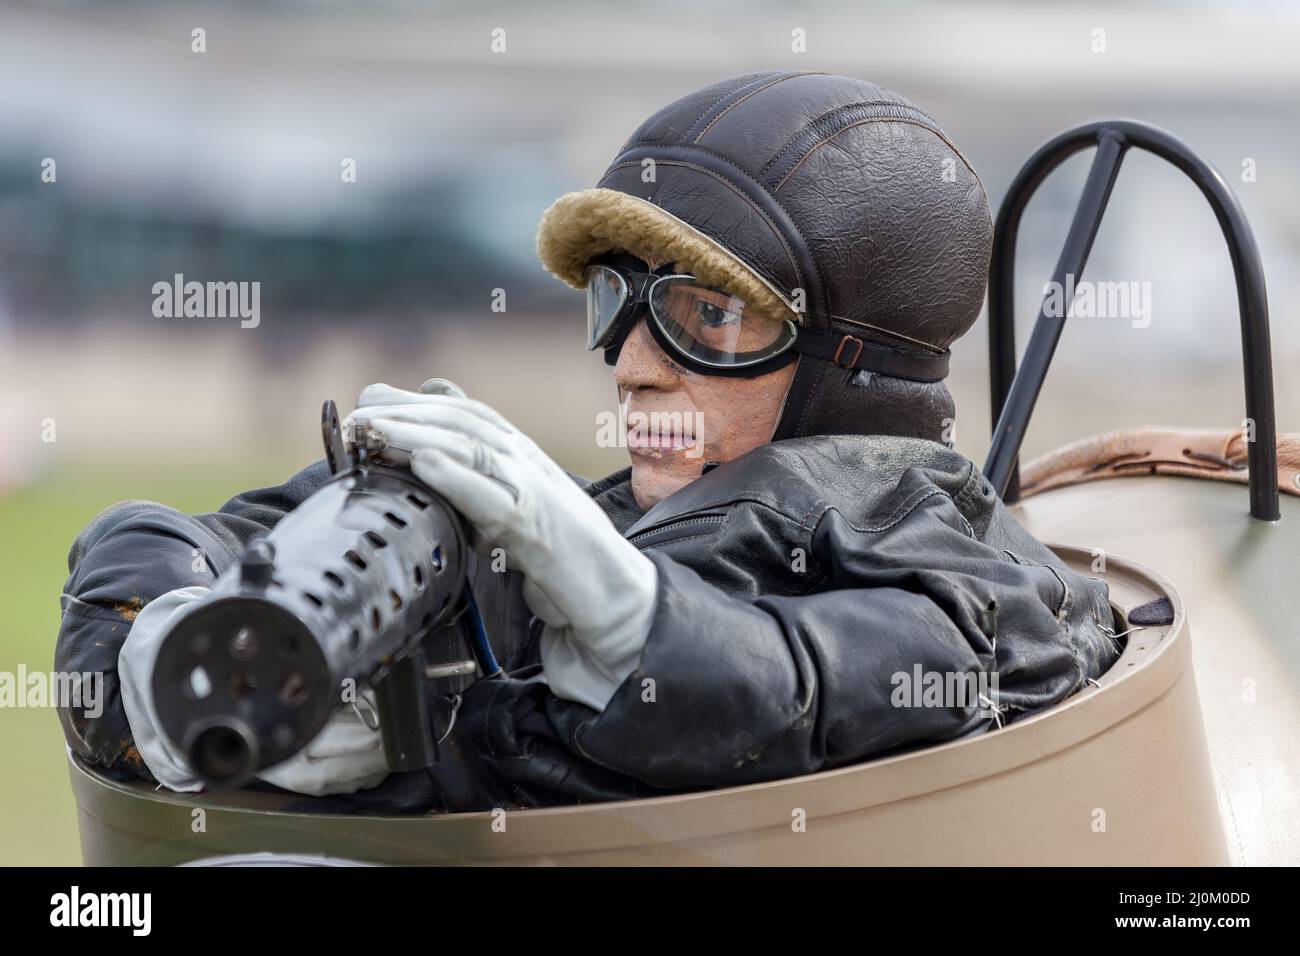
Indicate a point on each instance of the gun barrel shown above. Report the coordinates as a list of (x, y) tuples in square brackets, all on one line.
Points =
[(340, 591)]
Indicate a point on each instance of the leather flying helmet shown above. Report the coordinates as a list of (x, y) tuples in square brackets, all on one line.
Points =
[(818, 199)]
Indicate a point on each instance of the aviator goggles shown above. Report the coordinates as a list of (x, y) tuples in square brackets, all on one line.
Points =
[(711, 331), (705, 329)]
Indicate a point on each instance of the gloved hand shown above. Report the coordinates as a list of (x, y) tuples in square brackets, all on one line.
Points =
[(594, 590), (346, 756)]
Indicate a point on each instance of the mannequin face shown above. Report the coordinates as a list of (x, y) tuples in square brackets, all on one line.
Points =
[(678, 419)]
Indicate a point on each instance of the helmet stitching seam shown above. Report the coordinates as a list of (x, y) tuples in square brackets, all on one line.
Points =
[(781, 79), (793, 140)]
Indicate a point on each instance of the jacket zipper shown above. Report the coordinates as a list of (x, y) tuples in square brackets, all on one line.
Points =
[(678, 523)]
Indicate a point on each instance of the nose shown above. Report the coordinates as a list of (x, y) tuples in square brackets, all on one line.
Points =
[(642, 364)]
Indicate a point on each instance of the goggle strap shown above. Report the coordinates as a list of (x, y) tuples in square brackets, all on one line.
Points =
[(854, 352)]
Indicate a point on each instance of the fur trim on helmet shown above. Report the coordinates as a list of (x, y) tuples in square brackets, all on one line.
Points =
[(583, 225)]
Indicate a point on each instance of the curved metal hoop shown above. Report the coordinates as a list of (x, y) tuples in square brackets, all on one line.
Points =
[(1014, 394)]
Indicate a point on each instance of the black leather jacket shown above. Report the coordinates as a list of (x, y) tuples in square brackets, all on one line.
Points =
[(795, 584)]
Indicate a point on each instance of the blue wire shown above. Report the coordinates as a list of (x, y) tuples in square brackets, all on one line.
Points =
[(487, 661)]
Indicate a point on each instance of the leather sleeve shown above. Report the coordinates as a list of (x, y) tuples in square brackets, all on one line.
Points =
[(127, 556), (730, 692)]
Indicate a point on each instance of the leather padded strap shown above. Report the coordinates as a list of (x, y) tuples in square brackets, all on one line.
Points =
[(1188, 452)]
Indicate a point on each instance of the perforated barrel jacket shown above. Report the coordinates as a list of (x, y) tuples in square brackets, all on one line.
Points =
[(810, 592)]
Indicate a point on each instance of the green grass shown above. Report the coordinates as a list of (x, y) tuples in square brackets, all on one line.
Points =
[(38, 824)]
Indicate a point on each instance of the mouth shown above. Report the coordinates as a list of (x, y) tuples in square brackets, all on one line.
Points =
[(657, 435)]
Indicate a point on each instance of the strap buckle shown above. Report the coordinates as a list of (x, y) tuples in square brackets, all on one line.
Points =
[(840, 349)]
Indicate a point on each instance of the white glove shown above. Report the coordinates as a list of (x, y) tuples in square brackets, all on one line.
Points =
[(592, 588), (346, 756)]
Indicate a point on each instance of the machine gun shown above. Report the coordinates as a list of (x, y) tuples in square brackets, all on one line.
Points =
[(340, 595)]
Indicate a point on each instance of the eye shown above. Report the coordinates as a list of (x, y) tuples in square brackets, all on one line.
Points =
[(715, 316)]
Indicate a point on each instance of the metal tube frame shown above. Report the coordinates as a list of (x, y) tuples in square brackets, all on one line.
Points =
[(1014, 394)]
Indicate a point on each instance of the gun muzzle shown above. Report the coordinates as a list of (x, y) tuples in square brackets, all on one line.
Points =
[(330, 602)]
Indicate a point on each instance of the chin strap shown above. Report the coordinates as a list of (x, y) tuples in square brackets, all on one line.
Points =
[(798, 400)]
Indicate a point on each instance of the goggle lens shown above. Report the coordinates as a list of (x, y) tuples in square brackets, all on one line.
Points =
[(708, 329), (607, 293), (713, 327)]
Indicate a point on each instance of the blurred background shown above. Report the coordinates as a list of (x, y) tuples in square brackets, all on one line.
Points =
[(226, 165)]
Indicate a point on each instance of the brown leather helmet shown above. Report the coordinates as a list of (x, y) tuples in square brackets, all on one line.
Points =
[(823, 196)]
